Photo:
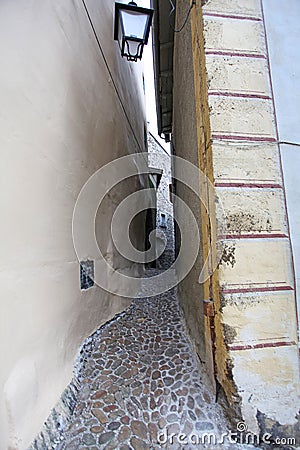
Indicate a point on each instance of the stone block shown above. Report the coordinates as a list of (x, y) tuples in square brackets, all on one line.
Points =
[(260, 318), (246, 164), (242, 7), (252, 211), (256, 264), (267, 381), (234, 36), (238, 75), (250, 117)]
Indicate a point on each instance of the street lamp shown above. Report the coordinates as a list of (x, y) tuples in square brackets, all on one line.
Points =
[(132, 27), (156, 175)]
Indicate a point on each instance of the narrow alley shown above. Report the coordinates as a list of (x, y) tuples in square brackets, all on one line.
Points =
[(150, 266), (140, 384)]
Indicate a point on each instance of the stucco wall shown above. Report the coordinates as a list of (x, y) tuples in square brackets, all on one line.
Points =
[(185, 146), (60, 121)]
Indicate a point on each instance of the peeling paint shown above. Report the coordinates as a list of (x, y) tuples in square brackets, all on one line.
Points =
[(228, 256), (247, 222), (229, 333)]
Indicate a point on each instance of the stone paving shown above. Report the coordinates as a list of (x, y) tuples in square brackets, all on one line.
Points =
[(140, 378)]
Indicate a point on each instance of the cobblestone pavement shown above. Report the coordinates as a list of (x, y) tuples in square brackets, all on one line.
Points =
[(140, 378)]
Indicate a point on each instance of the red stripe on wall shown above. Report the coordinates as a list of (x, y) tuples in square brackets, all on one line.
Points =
[(262, 345), (248, 185), (239, 95), (231, 16), (226, 137), (256, 289), (253, 236), (231, 53)]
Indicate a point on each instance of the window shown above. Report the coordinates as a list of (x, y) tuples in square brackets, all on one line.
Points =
[(163, 222)]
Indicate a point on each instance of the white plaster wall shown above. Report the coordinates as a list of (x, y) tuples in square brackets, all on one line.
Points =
[(291, 166), (283, 35), (60, 120)]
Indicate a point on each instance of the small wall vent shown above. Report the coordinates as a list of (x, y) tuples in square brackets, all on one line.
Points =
[(86, 274)]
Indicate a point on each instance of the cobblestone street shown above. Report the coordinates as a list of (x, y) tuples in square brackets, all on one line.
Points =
[(140, 378)]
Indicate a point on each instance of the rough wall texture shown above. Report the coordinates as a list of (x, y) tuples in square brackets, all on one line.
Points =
[(257, 308), (190, 292), (60, 121)]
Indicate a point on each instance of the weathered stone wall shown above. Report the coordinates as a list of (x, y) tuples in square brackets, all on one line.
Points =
[(160, 159), (61, 119)]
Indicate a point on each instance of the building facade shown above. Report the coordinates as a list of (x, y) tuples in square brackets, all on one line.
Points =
[(224, 96), (69, 105)]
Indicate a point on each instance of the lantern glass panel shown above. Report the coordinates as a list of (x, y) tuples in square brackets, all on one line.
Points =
[(134, 23)]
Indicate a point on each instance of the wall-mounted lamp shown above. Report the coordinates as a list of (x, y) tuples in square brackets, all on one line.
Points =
[(132, 28), (155, 175)]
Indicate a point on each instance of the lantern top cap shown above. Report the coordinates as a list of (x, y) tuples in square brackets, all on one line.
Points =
[(131, 6)]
